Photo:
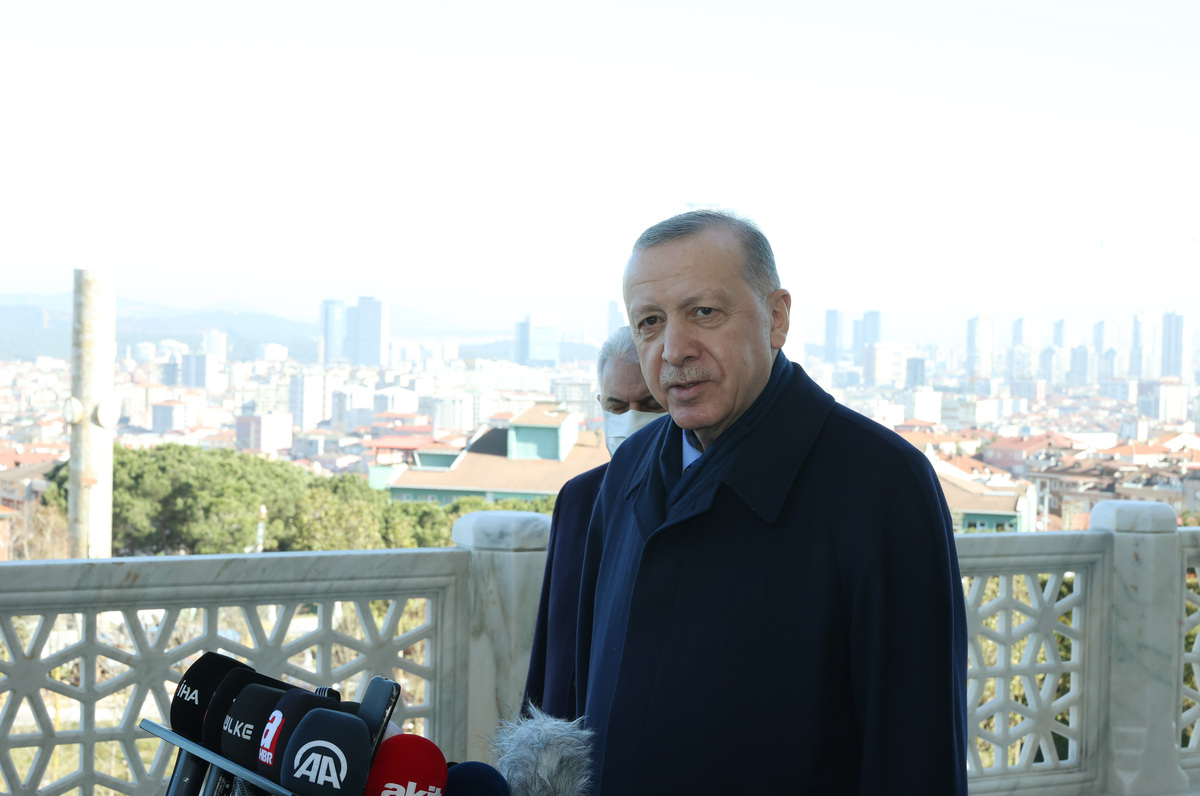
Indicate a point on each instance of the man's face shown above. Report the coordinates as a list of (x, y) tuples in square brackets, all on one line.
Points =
[(706, 341), (623, 388)]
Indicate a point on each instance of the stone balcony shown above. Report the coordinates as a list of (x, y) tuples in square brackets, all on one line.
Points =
[(1080, 645)]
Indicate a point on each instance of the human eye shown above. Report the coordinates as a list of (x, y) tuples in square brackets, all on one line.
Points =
[(648, 321), (705, 312)]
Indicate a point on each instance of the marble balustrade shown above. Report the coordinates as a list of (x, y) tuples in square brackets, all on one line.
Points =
[(1077, 686)]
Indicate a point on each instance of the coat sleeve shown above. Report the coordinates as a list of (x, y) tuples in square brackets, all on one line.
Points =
[(593, 550), (907, 636), (535, 680)]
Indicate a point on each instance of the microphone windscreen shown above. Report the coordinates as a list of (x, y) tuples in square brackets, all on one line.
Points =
[(195, 691), (243, 725), (538, 753), (473, 778), (328, 755), (281, 724), (403, 761), (224, 697)]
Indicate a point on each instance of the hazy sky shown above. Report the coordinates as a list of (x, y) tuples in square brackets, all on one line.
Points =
[(484, 159)]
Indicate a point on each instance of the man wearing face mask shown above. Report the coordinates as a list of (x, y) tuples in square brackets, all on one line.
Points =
[(627, 407)]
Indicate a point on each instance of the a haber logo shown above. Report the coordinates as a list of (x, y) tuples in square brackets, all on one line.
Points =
[(319, 769), (270, 737), (392, 789), (187, 694)]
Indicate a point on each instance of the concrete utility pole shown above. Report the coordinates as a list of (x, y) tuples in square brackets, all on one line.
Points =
[(92, 413)]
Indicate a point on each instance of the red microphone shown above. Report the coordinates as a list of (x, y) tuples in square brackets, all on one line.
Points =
[(407, 765)]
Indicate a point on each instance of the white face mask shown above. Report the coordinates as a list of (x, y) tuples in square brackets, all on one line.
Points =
[(618, 428)]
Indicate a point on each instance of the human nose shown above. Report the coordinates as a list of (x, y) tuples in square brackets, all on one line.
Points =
[(679, 345)]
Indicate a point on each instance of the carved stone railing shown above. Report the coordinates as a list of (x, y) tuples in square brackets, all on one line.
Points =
[(1079, 640), (1081, 678), (89, 648)]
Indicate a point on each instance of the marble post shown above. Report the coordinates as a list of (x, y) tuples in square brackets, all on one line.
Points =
[(508, 556), (1147, 610)]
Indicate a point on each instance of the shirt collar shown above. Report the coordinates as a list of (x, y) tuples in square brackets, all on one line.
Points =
[(691, 451)]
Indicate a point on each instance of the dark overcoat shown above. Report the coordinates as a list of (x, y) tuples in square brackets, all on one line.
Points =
[(550, 684), (786, 617)]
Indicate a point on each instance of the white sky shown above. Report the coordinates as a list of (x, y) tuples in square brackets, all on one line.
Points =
[(484, 159)]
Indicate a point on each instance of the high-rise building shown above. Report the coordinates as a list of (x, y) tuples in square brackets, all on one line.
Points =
[(616, 316), (1064, 334), (367, 328), (306, 399), (215, 344), (833, 335), (333, 331), (198, 370), (1083, 366), (1145, 351), (537, 343), (914, 373), (979, 347), (1177, 347)]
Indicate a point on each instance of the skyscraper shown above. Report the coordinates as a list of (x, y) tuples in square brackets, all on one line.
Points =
[(370, 333), (833, 335), (1145, 352), (333, 331), (979, 347), (1177, 347)]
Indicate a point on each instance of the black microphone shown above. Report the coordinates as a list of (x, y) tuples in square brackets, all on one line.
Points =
[(328, 755), (195, 692), (473, 778), (224, 697), (243, 724), (378, 702), (188, 706), (281, 724)]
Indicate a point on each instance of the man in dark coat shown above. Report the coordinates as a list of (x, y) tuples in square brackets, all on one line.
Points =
[(770, 598), (627, 405)]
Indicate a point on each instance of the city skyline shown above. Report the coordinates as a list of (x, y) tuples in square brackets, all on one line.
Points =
[(496, 162)]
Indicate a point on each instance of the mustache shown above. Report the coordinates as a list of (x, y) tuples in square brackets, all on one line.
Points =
[(671, 376)]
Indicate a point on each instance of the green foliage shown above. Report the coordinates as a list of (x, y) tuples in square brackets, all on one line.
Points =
[(177, 499)]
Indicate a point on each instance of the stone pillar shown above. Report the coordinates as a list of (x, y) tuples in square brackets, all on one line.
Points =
[(92, 413), (508, 557), (1147, 609)]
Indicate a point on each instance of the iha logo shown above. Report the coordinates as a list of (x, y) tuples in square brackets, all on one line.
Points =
[(392, 789), (187, 694), (318, 768)]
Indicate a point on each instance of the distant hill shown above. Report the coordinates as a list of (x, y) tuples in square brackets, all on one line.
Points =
[(40, 325)]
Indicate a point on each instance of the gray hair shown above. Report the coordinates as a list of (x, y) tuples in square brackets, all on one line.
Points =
[(619, 346), (758, 269)]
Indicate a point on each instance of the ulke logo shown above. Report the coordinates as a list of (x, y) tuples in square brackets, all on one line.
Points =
[(241, 729), (392, 789), (188, 694), (318, 768)]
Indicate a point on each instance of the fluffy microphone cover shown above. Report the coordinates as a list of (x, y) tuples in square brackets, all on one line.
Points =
[(541, 755)]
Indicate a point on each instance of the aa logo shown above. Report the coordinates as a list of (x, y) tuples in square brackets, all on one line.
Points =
[(313, 764)]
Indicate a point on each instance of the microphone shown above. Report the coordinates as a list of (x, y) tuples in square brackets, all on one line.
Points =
[(223, 698), (473, 778), (195, 692), (243, 724), (328, 755), (407, 765), (543, 755), (188, 706), (378, 702), (280, 725)]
